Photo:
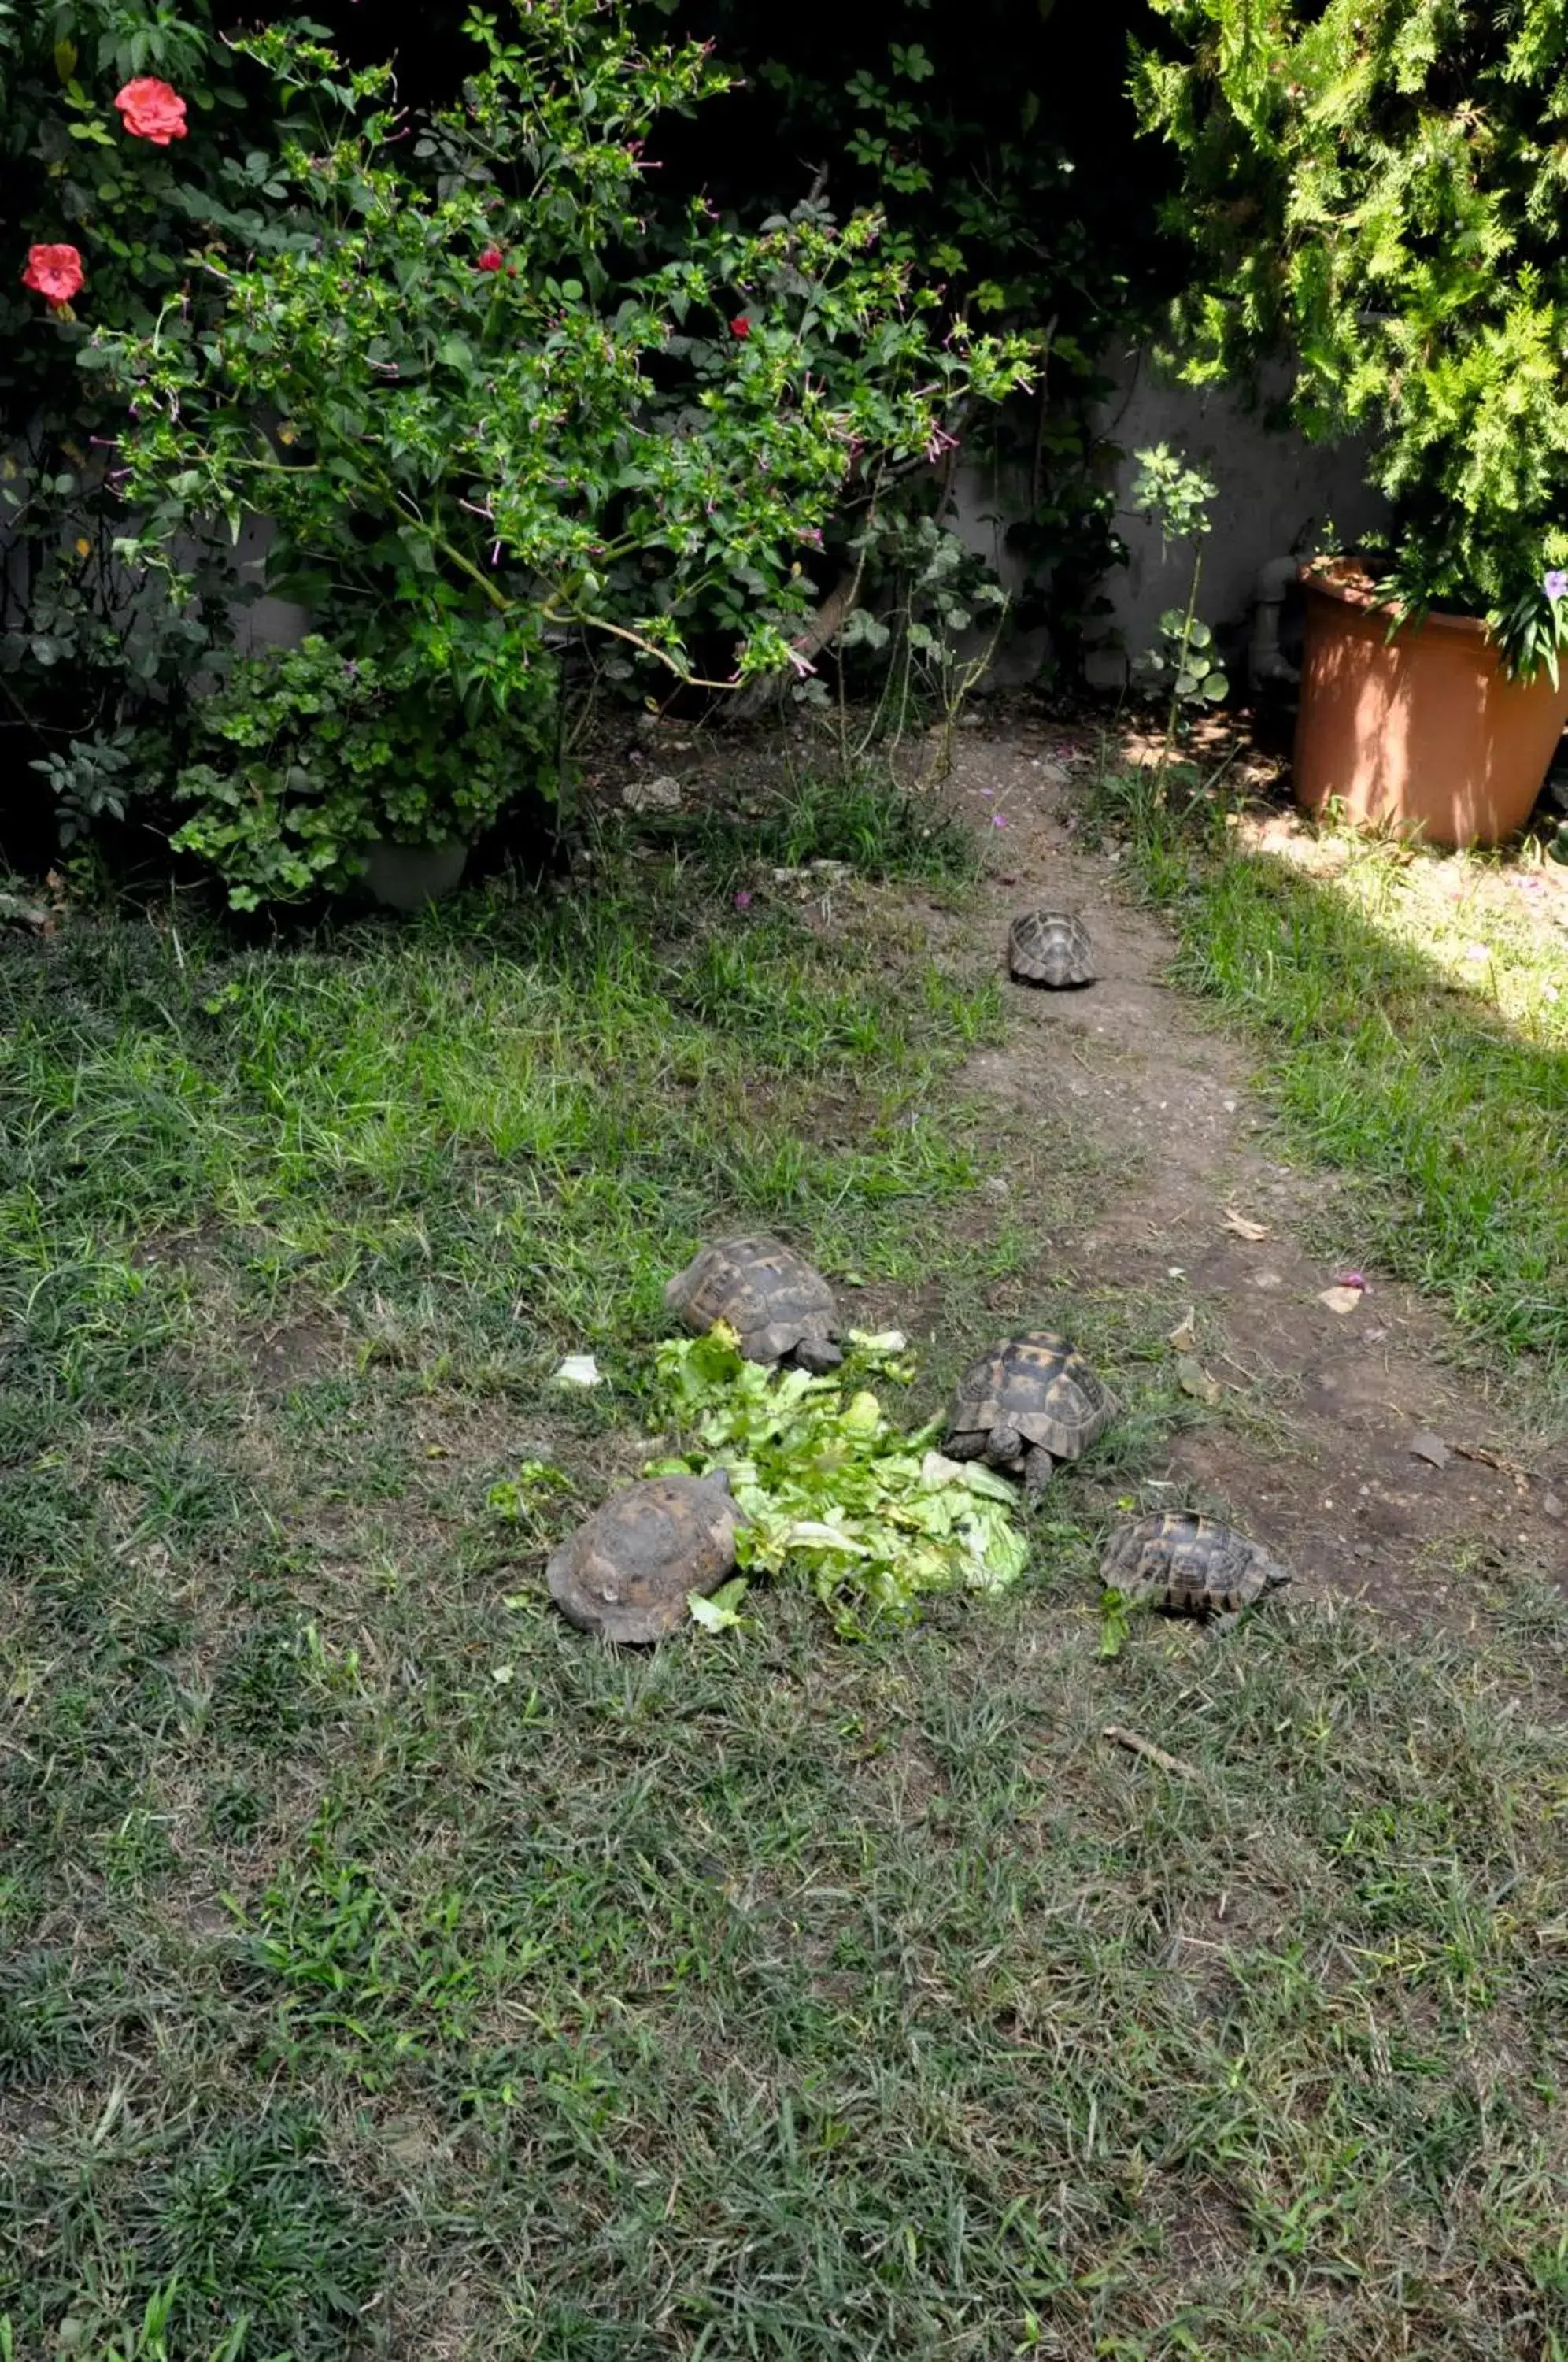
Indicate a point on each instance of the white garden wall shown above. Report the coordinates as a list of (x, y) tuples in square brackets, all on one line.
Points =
[(1277, 493)]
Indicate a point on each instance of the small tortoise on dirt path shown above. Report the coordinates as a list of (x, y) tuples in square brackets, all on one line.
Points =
[(626, 1571), (1050, 948), (1025, 1404), (1190, 1565), (781, 1309)]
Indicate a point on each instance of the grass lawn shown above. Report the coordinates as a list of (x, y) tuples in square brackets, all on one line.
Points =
[(385, 1970)]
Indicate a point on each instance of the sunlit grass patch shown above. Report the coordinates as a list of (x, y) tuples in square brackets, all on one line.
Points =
[(1412, 1013)]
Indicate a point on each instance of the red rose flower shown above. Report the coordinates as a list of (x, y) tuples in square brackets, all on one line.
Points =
[(151, 110), (491, 260), (740, 326), (55, 272)]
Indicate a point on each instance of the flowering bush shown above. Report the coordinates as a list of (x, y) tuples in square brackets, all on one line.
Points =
[(997, 138), (496, 406), (95, 217), (485, 419), (1375, 187)]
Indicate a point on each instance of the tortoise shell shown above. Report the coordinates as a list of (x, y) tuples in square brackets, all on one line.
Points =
[(1050, 948), (627, 1572), (1190, 1564), (778, 1305), (1039, 1384)]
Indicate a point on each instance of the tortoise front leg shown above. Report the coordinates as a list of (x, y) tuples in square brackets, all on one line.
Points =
[(1039, 1467), (966, 1447)]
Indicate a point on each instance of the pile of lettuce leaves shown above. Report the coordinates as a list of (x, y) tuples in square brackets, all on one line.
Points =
[(872, 1517)]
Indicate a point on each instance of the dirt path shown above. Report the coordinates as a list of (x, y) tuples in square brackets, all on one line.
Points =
[(1345, 1393)]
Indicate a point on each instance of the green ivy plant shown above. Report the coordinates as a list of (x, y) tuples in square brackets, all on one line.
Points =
[(1374, 188), (480, 423), (310, 756)]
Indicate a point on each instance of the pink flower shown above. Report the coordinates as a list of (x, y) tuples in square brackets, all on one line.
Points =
[(151, 110), (740, 325), (998, 820), (742, 900), (491, 260), (55, 272), (1350, 1279)]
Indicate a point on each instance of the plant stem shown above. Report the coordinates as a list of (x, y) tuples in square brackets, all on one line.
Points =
[(1186, 624)]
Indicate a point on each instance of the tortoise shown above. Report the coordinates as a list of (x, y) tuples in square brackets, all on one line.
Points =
[(1050, 948), (627, 1572), (1028, 1403), (1190, 1565), (781, 1309)]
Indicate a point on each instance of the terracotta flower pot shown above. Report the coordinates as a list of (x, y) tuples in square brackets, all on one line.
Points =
[(1424, 733)]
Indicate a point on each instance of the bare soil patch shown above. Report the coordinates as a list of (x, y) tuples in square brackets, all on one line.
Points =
[(1336, 1485), (1309, 1443)]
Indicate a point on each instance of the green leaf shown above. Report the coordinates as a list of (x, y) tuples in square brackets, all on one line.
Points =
[(719, 1612), (867, 1514), (1115, 1627)]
